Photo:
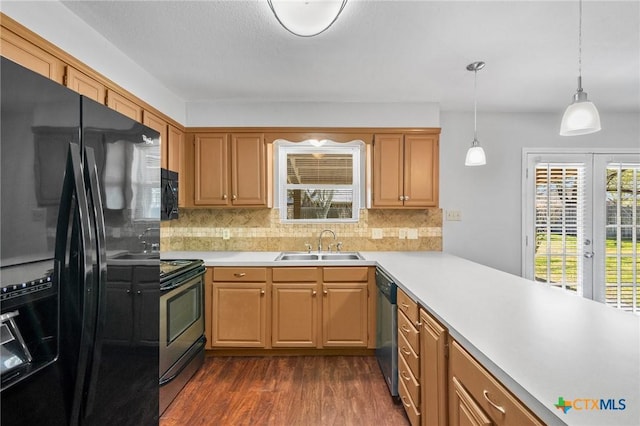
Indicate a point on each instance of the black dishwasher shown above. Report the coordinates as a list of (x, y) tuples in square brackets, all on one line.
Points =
[(387, 330)]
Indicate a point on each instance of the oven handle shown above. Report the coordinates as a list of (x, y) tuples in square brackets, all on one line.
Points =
[(182, 282)]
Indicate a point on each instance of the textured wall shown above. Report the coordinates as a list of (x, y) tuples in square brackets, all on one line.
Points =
[(261, 230)]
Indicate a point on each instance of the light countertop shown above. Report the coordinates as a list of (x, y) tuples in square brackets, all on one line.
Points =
[(541, 342)]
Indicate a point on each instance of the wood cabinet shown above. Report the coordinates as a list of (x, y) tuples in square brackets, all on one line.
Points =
[(30, 56), (159, 125), (124, 105), (409, 383), (477, 398), (405, 171), (176, 160), (295, 307), (84, 85), (433, 370), (230, 170), (345, 306), (239, 307)]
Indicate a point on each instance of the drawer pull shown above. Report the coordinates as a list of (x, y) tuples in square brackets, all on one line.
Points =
[(404, 305), (402, 373), (405, 351), (405, 403), (493, 404), (239, 274), (404, 328)]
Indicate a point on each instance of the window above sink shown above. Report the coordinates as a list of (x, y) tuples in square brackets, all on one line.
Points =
[(319, 181)]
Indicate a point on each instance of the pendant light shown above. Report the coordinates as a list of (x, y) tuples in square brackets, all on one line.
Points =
[(306, 18), (581, 116), (475, 155)]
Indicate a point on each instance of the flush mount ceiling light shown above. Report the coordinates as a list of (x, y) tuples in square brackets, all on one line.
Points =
[(306, 18), (475, 155), (581, 117)]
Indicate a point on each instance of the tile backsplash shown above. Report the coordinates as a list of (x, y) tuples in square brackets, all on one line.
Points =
[(262, 230)]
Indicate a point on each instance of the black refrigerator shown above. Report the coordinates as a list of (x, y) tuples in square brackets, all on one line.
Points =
[(79, 261)]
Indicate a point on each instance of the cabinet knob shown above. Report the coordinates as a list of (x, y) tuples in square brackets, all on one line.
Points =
[(262, 292), (138, 292), (325, 292), (406, 198), (313, 293), (234, 197), (402, 198), (224, 196)]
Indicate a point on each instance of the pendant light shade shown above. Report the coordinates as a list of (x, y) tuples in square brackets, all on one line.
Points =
[(475, 154), (306, 18), (581, 117)]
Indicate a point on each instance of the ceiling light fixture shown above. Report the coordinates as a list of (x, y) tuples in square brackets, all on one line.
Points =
[(306, 18), (581, 116), (475, 155)]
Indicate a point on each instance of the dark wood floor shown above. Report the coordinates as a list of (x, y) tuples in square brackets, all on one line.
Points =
[(295, 390)]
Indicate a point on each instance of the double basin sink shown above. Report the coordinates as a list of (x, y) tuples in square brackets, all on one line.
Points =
[(303, 256)]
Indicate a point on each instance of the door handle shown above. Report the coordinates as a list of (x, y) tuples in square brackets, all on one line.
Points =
[(588, 254)]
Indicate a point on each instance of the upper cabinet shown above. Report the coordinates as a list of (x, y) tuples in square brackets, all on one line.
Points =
[(176, 160), (159, 125), (124, 106), (405, 171), (230, 170), (85, 85), (30, 56)]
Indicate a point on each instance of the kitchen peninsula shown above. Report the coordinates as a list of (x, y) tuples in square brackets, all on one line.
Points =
[(541, 343)]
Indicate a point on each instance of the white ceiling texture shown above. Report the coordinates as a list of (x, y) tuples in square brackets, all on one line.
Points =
[(384, 51)]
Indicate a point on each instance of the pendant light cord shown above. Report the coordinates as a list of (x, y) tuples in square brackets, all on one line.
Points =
[(580, 43), (475, 105)]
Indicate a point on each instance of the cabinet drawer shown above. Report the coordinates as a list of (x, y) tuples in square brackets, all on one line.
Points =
[(298, 275), (487, 392), (405, 375), (409, 355), (406, 328), (407, 306), (412, 411), (345, 274), (240, 274)]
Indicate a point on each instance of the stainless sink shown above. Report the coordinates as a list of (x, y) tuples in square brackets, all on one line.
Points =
[(136, 256), (319, 256)]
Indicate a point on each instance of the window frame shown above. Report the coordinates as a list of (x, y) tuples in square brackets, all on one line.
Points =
[(356, 148)]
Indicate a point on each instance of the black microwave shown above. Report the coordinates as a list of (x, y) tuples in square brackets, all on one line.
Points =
[(169, 187)]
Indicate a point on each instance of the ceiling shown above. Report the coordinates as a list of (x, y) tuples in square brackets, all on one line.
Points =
[(384, 51)]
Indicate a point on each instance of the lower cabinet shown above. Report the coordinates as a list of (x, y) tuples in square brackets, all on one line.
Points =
[(409, 358), (477, 398), (433, 370), (289, 307), (239, 308)]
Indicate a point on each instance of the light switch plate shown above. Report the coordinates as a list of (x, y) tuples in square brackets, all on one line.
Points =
[(453, 215)]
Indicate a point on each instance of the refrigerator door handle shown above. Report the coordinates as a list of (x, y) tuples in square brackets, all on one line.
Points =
[(95, 202), (75, 297)]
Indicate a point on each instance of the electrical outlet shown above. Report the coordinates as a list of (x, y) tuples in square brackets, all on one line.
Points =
[(454, 215), (412, 234), (376, 234), (226, 234), (402, 233)]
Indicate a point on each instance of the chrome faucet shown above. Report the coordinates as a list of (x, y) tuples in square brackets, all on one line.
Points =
[(320, 239), (154, 246)]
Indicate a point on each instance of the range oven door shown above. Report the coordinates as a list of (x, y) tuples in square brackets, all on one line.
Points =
[(181, 319)]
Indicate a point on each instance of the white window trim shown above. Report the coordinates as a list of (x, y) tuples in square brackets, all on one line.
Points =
[(284, 147)]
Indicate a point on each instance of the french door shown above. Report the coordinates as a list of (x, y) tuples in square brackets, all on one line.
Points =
[(581, 224)]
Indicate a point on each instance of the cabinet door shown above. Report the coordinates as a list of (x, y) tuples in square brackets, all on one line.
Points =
[(239, 315), (433, 371), (175, 161), (344, 314), (388, 169), (248, 176), (24, 53), (84, 85), (146, 295), (464, 410), (420, 171), (160, 126), (124, 106), (211, 169), (294, 315)]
